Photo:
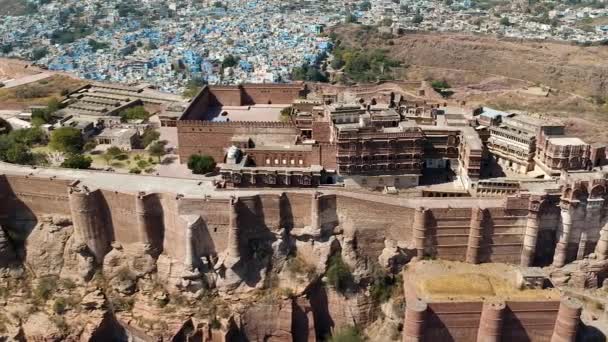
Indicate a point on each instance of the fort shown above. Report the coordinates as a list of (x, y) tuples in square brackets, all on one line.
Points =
[(300, 166), (527, 229)]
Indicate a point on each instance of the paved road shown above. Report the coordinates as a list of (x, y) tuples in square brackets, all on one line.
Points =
[(26, 79)]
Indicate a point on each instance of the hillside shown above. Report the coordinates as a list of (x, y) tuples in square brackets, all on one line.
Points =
[(14, 7), (563, 81), (581, 70)]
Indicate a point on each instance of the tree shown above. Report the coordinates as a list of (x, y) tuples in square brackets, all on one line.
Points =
[(230, 61), (157, 149), (42, 116), (365, 6), (418, 18), (77, 161), (18, 154), (505, 21), (201, 164), (150, 135), (67, 140), (134, 113), (111, 153), (90, 145), (440, 85)]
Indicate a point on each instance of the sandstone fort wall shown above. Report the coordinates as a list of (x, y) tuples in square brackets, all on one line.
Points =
[(521, 321), (470, 234)]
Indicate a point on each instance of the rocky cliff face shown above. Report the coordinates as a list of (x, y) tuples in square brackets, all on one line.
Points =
[(52, 290)]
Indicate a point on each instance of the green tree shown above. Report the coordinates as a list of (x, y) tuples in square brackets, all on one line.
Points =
[(200, 164), (42, 116), (230, 61), (77, 161), (18, 154), (365, 6), (418, 18), (134, 113), (440, 85), (505, 21), (149, 135), (157, 149), (67, 140), (90, 145)]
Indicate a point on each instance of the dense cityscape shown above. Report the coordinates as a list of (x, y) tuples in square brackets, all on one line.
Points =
[(166, 44)]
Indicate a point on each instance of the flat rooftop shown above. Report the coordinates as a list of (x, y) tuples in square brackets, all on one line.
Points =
[(245, 113), (441, 280), (566, 141)]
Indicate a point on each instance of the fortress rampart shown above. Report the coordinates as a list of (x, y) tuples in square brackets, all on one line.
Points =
[(554, 321), (525, 229)]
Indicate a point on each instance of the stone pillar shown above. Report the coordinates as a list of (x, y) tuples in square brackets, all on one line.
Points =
[(190, 257), (531, 234), (568, 320), (491, 322), (140, 212), (233, 230), (601, 249), (592, 225), (415, 316), (564, 232), (475, 235), (315, 211), (420, 219), (89, 225)]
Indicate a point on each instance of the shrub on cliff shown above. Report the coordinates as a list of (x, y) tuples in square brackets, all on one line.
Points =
[(339, 274), (201, 164), (347, 334), (45, 289), (384, 286)]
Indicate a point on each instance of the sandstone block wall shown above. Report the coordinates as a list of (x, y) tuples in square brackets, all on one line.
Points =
[(161, 220), (522, 321), (212, 138)]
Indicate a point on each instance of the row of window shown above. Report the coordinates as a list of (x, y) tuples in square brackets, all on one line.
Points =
[(284, 162), (378, 157)]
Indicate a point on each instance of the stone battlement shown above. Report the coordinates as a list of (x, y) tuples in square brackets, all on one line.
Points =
[(256, 124)]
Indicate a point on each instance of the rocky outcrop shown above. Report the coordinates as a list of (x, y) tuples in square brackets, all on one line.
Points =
[(580, 274), (41, 327), (269, 321), (8, 256), (333, 310), (45, 246)]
